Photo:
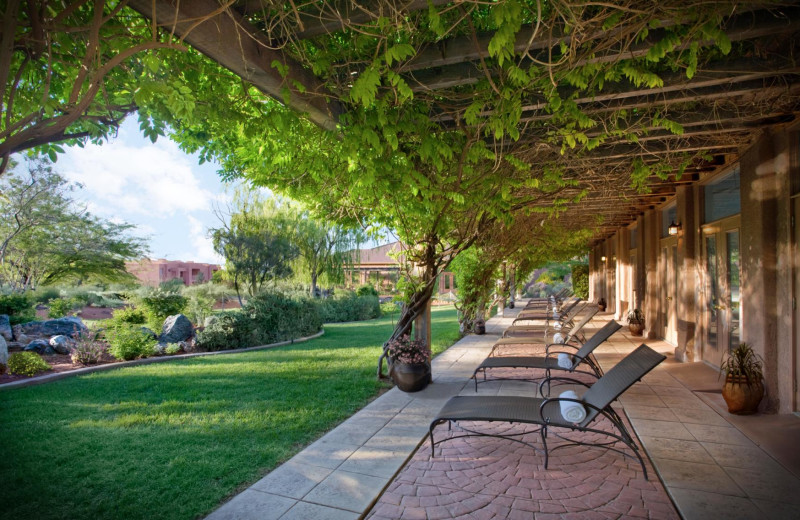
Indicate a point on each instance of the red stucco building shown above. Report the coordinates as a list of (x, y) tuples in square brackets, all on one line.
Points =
[(153, 272)]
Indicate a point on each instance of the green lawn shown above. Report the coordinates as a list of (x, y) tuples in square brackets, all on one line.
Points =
[(174, 440)]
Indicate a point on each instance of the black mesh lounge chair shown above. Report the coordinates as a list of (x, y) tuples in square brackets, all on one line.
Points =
[(583, 361), (564, 323), (570, 334), (545, 313), (547, 412)]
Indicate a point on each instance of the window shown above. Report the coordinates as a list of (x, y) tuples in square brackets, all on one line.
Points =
[(668, 216), (722, 198)]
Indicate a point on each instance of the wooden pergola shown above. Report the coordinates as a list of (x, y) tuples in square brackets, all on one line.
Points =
[(728, 102)]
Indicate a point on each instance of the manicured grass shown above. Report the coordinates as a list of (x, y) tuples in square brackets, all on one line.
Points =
[(173, 440)]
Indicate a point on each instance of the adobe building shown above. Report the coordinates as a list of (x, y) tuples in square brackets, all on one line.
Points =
[(718, 264), (153, 272), (376, 266)]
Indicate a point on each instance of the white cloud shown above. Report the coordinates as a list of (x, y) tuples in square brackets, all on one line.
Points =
[(151, 180), (203, 246)]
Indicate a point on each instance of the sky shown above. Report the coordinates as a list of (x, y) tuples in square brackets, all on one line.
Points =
[(164, 192)]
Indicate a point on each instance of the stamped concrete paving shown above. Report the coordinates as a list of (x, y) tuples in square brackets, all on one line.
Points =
[(707, 466)]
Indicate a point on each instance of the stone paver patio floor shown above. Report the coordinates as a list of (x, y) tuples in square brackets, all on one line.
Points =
[(370, 467)]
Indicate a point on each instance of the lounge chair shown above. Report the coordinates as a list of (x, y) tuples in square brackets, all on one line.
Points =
[(579, 358), (546, 313), (564, 322), (569, 334), (546, 412)]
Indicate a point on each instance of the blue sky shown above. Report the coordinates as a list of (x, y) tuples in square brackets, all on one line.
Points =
[(163, 191)]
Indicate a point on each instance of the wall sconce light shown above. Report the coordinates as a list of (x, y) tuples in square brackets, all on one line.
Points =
[(602, 258), (673, 228)]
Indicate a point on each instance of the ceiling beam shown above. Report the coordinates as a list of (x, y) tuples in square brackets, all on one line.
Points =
[(229, 39), (449, 56)]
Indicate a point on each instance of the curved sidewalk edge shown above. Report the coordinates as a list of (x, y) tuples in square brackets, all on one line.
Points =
[(111, 366)]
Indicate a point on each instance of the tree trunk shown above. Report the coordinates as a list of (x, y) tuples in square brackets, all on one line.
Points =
[(313, 284), (417, 306)]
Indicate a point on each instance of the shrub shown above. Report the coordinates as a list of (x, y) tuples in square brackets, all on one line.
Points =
[(172, 348), (278, 318), (366, 290), (43, 295), (128, 342), (18, 307), (158, 304), (229, 330), (87, 349), (389, 308), (580, 280), (26, 364), (349, 307), (130, 315), (60, 307)]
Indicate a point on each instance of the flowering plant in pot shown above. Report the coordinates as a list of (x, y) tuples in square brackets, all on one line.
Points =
[(744, 385), (410, 363), (636, 322)]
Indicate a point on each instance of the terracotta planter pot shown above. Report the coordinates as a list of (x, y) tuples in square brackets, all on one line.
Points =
[(742, 398), (636, 328), (411, 377)]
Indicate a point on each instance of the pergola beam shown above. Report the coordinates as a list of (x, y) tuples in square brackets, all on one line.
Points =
[(229, 39)]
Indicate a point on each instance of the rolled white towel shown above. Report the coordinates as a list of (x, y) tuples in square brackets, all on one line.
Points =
[(557, 326), (564, 361), (571, 411), (558, 338)]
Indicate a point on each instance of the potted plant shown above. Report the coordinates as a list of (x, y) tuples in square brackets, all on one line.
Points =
[(744, 386), (410, 363), (636, 322), (601, 304)]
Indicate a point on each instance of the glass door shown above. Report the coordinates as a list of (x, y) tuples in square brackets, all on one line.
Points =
[(722, 309), (669, 290)]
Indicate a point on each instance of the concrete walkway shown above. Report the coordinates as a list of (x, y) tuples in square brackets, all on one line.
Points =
[(700, 459), (341, 475)]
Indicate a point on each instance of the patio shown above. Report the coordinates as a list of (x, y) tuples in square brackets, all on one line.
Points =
[(704, 462)]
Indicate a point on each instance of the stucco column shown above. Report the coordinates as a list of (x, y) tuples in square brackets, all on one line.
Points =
[(687, 275), (765, 229), (649, 235)]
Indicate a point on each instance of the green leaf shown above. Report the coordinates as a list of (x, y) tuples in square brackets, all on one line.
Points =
[(398, 52)]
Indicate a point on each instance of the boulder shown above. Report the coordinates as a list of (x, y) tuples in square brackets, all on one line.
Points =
[(3, 351), (160, 349), (40, 346), (176, 328), (61, 344), (15, 346), (5, 328), (61, 326)]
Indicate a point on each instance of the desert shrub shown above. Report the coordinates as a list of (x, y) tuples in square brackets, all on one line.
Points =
[(366, 290), (278, 318), (43, 295), (128, 342), (580, 280), (158, 305), (229, 330), (60, 307), (172, 286), (389, 308), (172, 348), (88, 349), (130, 315), (348, 307), (18, 307), (26, 364)]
